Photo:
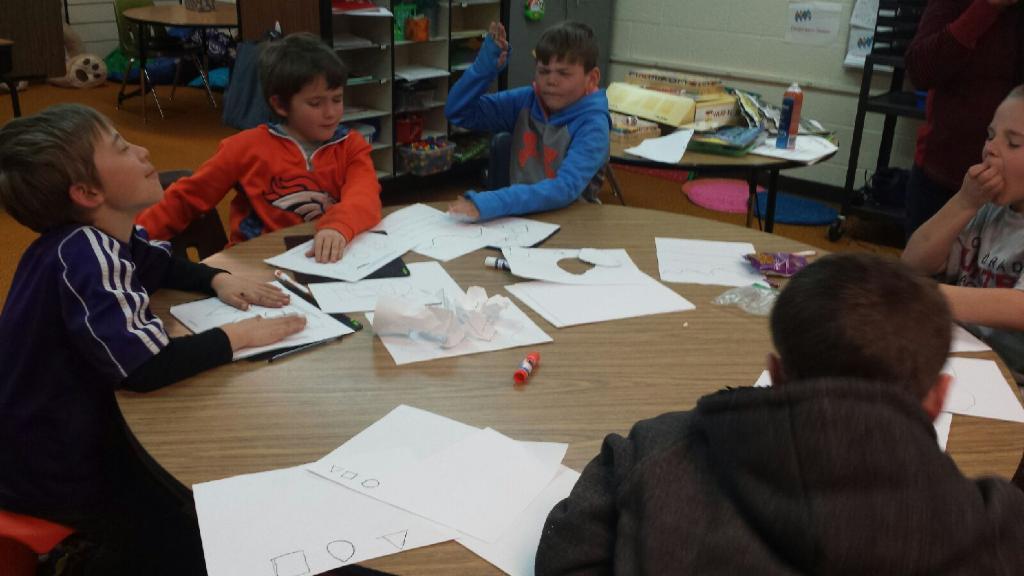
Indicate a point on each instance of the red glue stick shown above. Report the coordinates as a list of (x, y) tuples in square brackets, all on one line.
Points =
[(531, 361)]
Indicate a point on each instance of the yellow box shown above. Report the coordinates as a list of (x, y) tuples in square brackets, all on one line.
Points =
[(721, 111), (661, 107), (692, 85)]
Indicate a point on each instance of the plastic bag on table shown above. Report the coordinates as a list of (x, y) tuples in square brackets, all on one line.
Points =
[(756, 299)]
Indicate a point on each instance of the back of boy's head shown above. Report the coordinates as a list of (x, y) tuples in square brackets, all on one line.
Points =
[(862, 316), (42, 156), (571, 42), (296, 60)]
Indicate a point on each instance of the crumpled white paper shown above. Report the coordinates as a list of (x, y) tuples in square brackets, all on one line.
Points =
[(472, 315)]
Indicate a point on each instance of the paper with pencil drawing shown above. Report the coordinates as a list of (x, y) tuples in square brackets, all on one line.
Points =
[(609, 266), (363, 255), (203, 315), (422, 285), (476, 481), (705, 262), (291, 522), (437, 235)]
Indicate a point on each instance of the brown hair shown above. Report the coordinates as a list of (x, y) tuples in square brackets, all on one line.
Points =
[(296, 60), (862, 316), (570, 42), (42, 156)]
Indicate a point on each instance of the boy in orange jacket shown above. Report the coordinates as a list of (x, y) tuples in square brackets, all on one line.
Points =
[(304, 168)]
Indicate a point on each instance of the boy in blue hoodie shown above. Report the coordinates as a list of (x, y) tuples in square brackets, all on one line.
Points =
[(559, 125)]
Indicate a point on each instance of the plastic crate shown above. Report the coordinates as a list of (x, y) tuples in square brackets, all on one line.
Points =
[(426, 161)]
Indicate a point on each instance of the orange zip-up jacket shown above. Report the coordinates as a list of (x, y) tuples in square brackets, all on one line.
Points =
[(276, 186)]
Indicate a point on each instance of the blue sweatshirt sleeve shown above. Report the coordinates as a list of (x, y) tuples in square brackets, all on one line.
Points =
[(470, 106), (588, 153)]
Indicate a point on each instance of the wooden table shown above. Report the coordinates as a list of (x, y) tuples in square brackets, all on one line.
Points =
[(6, 65), (593, 379), (222, 16), (751, 165)]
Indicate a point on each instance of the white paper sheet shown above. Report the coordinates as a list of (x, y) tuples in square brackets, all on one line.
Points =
[(809, 149), (514, 553), (439, 236), (202, 315), (864, 14), (668, 149), (610, 266), (568, 305), (942, 423), (291, 522), (512, 330), (364, 255), (979, 389), (964, 341), (477, 481), (705, 262), (515, 231), (422, 285)]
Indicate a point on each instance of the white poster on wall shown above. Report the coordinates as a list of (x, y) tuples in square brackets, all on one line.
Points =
[(859, 46), (814, 23)]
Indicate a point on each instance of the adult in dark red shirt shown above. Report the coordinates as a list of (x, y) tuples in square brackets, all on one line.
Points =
[(968, 55)]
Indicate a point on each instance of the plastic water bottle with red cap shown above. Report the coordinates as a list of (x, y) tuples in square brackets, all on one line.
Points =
[(789, 119)]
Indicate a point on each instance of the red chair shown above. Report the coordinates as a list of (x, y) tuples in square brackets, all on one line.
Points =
[(24, 538)]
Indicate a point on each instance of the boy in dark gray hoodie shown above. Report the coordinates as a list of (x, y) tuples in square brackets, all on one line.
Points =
[(833, 470)]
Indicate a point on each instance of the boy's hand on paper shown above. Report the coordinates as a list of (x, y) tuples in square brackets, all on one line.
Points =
[(328, 246), (260, 331), (463, 210), (241, 292), (500, 38), (982, 183)]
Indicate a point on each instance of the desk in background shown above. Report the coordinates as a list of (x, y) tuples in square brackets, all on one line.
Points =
[(594, 379), (751, 165), (223, 16)]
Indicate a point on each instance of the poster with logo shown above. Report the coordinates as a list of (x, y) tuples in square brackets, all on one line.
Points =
[(815, 23)]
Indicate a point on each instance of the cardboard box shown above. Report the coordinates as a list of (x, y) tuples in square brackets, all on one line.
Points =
[(717, 112), (660, 107), (691, 85), (630, 128)]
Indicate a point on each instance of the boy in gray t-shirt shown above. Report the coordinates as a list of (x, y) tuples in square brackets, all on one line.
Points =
[(976, 241)]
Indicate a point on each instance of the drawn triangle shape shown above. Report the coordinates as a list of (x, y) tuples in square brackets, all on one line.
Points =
[(397, 539)]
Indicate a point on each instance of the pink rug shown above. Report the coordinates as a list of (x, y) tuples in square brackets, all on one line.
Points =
[(719, 194)]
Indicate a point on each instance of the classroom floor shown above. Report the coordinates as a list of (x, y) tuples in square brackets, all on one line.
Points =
[(191, 131)]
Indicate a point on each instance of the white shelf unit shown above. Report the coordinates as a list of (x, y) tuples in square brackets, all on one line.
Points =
[(364, 43), (469, 22), (377, 62)]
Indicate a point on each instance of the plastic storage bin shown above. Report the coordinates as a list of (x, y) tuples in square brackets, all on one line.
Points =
[(426, 161)]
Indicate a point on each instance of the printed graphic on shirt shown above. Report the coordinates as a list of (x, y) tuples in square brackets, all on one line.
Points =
[(538, 149), (981, 268), (299, 194)]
